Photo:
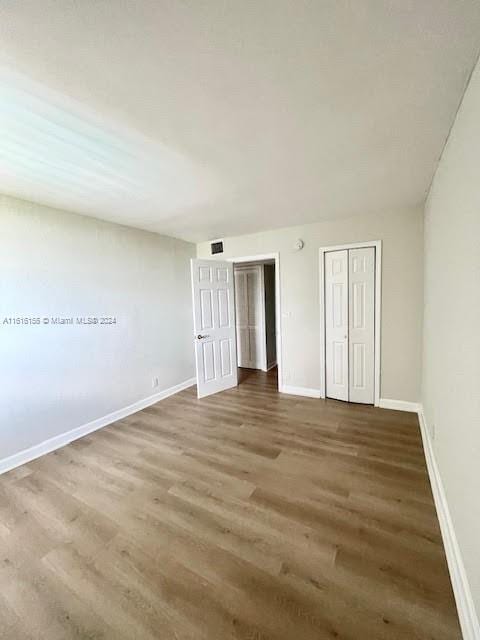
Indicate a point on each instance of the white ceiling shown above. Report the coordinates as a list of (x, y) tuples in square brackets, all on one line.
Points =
[(206, 119)]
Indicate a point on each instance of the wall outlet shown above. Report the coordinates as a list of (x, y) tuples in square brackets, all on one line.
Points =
[(154, 382)]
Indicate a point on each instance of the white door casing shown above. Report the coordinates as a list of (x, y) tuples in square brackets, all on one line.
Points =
[(336, 324), (275, 258), (214, 325), (376, 245), (361, 309), (250, 317)]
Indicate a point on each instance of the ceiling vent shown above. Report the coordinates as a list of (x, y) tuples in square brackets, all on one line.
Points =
[(216, 247)]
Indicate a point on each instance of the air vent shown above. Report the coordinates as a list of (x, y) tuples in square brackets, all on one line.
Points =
[(217, 247)]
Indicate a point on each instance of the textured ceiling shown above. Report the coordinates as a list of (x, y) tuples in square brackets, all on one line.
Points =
[(206, 119)]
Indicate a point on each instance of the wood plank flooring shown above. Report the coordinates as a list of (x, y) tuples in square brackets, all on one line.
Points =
[(248, 515)]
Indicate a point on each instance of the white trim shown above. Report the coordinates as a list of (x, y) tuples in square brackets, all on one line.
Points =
[(272, 365), (278, 303), (259, 258), (300, 391), (47, 446), (398, 405), (377, 245), (461, 588), (264, 319)]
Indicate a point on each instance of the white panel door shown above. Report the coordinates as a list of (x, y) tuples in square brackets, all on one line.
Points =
[(214, 326), (250, 317), (361, 324), (336, 324)]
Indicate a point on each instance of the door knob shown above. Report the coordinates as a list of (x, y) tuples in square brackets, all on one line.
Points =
[(199, 337)]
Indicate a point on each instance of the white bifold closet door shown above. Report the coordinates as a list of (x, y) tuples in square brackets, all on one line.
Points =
[(250, 317), (350, 324)]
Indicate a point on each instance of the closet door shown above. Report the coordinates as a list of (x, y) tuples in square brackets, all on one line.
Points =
[(250, 317), (361, 276), (241, 318), (336, 324)]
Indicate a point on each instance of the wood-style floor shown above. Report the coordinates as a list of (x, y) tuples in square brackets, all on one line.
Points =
[(249, 515)]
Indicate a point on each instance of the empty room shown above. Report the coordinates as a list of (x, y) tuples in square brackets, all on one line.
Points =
[(239, 320)]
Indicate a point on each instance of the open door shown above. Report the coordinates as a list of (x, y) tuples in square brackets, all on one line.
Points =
[(214, 326)]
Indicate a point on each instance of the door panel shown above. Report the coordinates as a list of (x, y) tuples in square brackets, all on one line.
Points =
[(362, 324), (254, 351), (336, 324), (223, 308), (339, 359), (214, 326), (358, 305), (206, 310), (358, 365), (253, 293), (225, 357), (208, 355), (241, 318), (222, 275)]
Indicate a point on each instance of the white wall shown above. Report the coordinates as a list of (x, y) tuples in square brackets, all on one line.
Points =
[(402, 236), (56, 378), (451, 376)]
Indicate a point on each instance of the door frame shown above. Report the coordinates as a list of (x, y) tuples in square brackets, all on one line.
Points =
[(377, 245), (278, 303)]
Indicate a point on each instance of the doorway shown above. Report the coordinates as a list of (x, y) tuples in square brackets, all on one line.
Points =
[(256, 317), (350, 310), (215, 327)]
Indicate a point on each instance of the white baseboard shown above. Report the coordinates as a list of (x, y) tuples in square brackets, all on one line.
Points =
[(398, 405), (271, 366), (461, 588), (299, 391), (47, 446)]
